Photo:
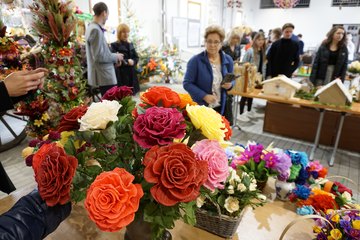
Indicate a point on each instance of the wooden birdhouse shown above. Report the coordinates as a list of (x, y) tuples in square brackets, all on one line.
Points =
[(246, 82), (334, 93), (280, 86)]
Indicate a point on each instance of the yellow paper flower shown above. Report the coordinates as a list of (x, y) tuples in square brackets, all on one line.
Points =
[(316, 229), (356, 224), (186, 99), (335, 218), (336, 234), (45, 116), (65, 136), (208, 121), (318, 191), (27, 151), (38, 123)]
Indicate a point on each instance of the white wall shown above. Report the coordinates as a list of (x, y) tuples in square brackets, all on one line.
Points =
[(313, 22)]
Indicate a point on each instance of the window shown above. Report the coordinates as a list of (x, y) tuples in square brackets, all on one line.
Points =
[(345, 3), (270, 4)]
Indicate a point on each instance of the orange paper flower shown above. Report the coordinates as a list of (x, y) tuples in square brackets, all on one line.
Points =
[(152, 64), (228, 134), (113, 199), (161, 96), (186, 99)]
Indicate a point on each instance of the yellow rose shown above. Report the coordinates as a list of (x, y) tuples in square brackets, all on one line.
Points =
[(208, 121), (336, 234), (356, 224), (27, 151)]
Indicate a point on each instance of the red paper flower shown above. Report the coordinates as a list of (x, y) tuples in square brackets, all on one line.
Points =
[(161, 96), (228, 134), (175, 172), (117, 93), (69, 121), (340, 188), (158, 126), (113, 199), (54, 171)]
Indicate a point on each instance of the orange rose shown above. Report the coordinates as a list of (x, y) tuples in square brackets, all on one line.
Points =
[(186, 99), (54, 171), (228, 134), (161, 97), (175, 172), (113, 199)]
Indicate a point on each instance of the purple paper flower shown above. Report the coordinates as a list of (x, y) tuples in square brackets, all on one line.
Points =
[(253, 151), (54, 135), (283, 166), (34, 142)]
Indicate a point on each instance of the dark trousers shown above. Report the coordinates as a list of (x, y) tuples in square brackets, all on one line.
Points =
[(6, 185), (103, 89), (243, 101)]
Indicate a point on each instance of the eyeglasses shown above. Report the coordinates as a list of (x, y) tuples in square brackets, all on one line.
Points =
[(216, 43)]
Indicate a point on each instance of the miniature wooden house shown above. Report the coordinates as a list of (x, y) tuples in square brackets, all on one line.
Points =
[(334, 93), (246, 82), (280, 86)]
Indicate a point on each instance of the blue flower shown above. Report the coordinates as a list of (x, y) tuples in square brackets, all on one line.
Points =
[(345, 224), (302, 192), (305, 210), (298, 157), (303, 176)]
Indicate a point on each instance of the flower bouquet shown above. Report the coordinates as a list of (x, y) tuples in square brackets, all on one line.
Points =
[(129, 164), (354, 67)]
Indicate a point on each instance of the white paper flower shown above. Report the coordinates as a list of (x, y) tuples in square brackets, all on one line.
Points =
[(346, 195), (241, 187), (231, 204), (200, 201), (252, 186), (99, 115), (233, 178), (261, 197), (230, 189)]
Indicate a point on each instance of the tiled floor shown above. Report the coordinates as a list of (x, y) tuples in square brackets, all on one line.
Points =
[(346, 163)]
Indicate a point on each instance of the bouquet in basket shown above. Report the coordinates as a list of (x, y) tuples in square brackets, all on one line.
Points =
[(129, 163)]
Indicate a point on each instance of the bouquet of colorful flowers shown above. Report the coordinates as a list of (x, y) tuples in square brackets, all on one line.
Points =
[(298, 169), (344, 224), (129, 163), (354, 67)]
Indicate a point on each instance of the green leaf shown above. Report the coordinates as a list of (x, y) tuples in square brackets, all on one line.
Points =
[(252, 165), (189, 212), (69, 148)]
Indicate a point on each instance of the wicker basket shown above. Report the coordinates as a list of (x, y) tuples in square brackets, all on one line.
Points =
[(223, 226)]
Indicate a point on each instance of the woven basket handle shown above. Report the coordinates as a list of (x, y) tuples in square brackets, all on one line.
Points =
[(292, 223)]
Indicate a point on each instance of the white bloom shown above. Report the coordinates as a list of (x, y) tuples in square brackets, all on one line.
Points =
[(231, 204), (200, 201), (230, 189), (346, 195), (262, 197), (241, 187), (99, 114), (234, 178), (252, 186)]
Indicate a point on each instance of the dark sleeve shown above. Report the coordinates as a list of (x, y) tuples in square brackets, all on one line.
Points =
[(134, 54), (31, 219), (270, 57), (296, 56), (5, 99), (343, 68), (315, 66), (113, 47)]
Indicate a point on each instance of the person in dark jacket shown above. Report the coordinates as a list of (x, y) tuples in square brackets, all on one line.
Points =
[(205, 72), (283, 56), (126, 73), (12, 89), (233, 49), (331, 58), (31, 219)]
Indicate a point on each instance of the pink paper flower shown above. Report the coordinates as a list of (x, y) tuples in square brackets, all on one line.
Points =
[(117, 93), (158, 126), (210, 151)]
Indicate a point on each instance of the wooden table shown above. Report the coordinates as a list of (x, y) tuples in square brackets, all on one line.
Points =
[(353, 109), (263, 223)]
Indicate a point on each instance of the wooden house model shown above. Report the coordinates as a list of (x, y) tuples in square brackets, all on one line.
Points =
[(246, 82), (280, 86), (334, 93)]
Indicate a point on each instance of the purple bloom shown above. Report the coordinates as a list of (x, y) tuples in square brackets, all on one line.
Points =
[(53, 135), (253, 151), (34, 142), (270, 160), (29, 160), (282, 166), (354, 233), (321, 236), (345, 224)]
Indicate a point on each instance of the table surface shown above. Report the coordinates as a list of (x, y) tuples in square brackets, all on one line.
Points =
[(263, 223), (353, 109)]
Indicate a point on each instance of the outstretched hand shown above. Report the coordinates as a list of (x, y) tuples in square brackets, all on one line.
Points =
[(20, 83)]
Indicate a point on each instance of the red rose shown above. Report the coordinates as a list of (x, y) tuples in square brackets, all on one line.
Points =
[(158, 126), (228, 134), (117, 93), (69, 121), (161, 96), (54, 171), (340, 188), (113, 199), (175, 172)]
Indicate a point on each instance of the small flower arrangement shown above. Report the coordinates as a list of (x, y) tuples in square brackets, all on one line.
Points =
[(135, 158), (345, 224), (298, 168), (354, 67)]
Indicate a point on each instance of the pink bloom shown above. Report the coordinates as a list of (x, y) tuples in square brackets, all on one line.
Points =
[(158, 126), (210, 151), (117, 93)]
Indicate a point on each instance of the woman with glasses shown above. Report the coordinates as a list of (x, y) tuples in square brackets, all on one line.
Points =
[(206, 70)]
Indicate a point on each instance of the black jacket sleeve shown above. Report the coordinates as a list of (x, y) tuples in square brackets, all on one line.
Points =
[(31, 219), (6, 102), (134, 54), (315, 66)]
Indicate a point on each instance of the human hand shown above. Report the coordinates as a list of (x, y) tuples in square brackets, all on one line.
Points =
[(120, 57), (131, 62), (227, 85), (21, 82), (209, 99)]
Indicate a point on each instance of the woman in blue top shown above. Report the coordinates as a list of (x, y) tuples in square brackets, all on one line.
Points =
[(206, 70)]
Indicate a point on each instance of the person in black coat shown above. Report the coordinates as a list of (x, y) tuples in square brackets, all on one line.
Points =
[(283, 56), (126, 73), (331, 58), (12, 89)]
